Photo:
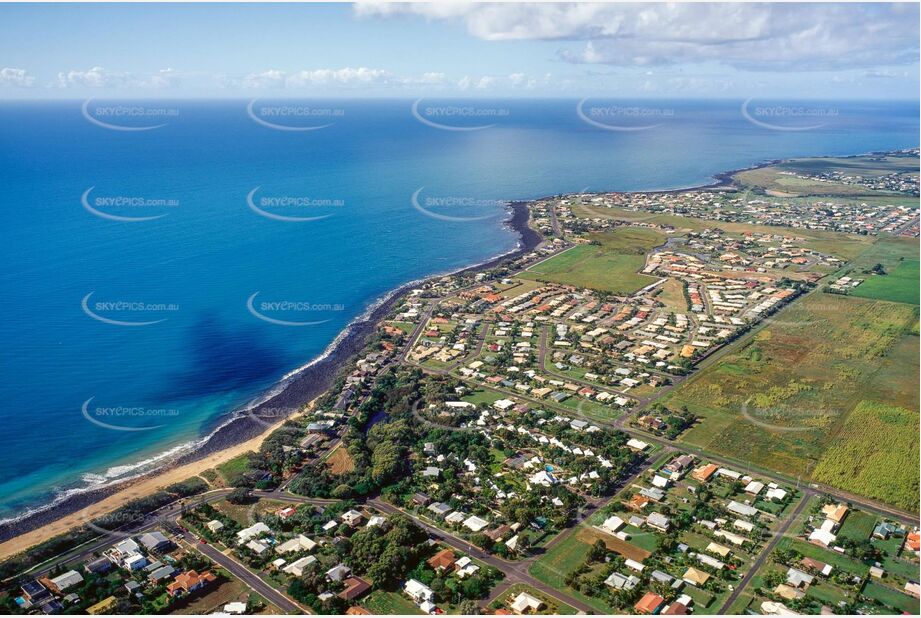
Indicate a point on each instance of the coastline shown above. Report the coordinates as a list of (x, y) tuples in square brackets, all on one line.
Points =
[(240, 429), (244, 430)]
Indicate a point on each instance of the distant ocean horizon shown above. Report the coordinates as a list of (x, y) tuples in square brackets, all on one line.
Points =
[(168, 262)]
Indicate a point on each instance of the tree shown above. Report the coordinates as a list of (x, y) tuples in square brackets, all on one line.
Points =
[(598, 552), (468, 607), (240, 495)]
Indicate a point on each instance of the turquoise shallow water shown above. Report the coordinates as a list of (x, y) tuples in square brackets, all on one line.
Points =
[(86, 399)]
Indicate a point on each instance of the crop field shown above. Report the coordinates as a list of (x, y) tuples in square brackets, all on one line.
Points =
[(854, 461), (782, 398), (610, 266)]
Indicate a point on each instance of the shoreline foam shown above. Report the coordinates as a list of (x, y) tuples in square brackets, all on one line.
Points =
[(248, 423)]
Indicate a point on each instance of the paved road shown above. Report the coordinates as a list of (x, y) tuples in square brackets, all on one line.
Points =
[(768, 549), (515, 572), (242, 572), (518, 571)]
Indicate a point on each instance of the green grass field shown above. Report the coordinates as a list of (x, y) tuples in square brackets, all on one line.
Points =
[(609, 266), (385, 603), (892, 598), (234, 470), (781, 399), (561, 560), (838, 561), (900, 285)]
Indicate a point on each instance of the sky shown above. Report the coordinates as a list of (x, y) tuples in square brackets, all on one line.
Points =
[(644, 50)]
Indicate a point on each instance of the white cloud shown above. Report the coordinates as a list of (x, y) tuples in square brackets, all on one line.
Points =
[(96, 77), (99, 77), (808, 36), (15, 78)]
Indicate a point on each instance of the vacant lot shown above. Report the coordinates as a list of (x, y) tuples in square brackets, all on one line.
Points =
[(672, 295), (900, 285), (385, 603), (773, 177), (624, 548), (340, 462), (844, 246), (609, 264), (782, 399)]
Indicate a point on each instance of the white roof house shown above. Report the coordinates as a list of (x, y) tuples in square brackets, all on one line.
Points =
[(524, 603), (612, 524), (418, 592), (298, 543), (67, 580), (257, 529), (633, 564), (475, 523), (822, 537), (297, 567), (214, 525)]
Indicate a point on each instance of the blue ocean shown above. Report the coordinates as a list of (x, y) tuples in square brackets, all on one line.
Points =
[(167, 262)]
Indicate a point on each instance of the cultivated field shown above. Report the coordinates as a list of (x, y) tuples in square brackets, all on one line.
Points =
[(782, 399)]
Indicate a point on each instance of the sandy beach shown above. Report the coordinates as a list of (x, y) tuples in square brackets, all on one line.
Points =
[(243, 433), (131, 490)]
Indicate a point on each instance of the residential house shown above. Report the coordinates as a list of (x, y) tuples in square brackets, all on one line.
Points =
[(650, 603), (418, 592), (525, 603), (190, 581), (355, 587)]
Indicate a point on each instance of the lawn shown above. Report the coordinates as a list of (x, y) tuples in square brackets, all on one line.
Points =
[(233, 471), (609, 264), (781, 399), (561, 560), (385, 603), (838, 561), (858, 525), (892, 598), (481, 395), (900, 285)]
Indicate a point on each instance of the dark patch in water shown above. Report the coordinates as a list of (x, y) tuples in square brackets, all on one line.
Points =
[(224, 358)]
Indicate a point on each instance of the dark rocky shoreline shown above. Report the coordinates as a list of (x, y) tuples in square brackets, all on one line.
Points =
[(307, 385)]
